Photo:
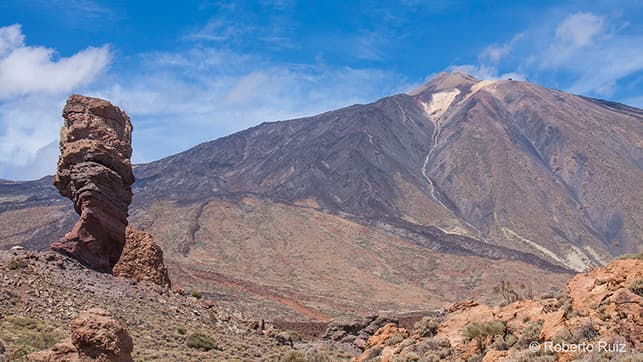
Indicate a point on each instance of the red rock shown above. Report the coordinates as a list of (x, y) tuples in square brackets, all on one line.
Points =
[(142, 259), (95, 336), (95, 172)]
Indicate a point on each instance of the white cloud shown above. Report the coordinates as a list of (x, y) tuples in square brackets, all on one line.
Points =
[(33, 87), (496, 52), (579, 29), (218, 29), (28, 127), (486, 72), (11, 37), (25, 70), (582, 53)]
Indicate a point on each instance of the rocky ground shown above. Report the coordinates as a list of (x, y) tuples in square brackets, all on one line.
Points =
[(601, 315), (42, 292)]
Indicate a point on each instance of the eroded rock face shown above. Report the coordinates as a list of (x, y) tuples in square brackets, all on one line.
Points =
[(95, 172), (142, 259), (95, 336)]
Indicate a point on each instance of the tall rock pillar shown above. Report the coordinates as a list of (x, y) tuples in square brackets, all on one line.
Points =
[(95, 172)]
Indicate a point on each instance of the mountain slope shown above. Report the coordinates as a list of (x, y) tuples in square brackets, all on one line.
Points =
[(410, 201), (507, 163)]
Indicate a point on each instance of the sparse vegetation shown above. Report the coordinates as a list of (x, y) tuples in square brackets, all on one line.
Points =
[(294, 356), (481, 332), (637, 287), (313, 355), (553, 292), (511, 294), (585, 332), (17, 264), (562, 336), (394, 339), (196, 294), (426, 327), (638, 256), (503, 343), (27, 335), (531, 333), (201, 341), (409, 357)]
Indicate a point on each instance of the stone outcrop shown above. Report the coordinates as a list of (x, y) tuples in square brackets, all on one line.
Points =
[(356, 331), (604, 305), (95, 336), (95, 172), (142, 259)]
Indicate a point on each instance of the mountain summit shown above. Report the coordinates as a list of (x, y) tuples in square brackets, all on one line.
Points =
[(371, 206)]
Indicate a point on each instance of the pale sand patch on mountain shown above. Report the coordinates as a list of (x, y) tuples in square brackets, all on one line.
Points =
[(439, 103), (483, 84), (510, 234)]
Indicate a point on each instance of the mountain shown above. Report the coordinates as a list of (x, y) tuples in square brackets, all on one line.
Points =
[(411, 201)]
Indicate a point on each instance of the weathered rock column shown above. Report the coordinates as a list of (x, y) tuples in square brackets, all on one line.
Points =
[(95, 172)]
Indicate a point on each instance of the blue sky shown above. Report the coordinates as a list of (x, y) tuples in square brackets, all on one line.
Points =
[(191, 71)]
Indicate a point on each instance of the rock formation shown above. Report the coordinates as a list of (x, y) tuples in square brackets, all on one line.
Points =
[(95, 336), (95, 172), (142, 259), (603, 307)]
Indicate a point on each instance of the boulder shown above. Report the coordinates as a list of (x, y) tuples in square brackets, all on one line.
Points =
[(95, 172), (142, 259), (95, 336)]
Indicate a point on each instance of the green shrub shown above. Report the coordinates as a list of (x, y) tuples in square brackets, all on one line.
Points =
[(27, 335), (638, 256), (409, 357), (394, 339), (475, 358), (201, 341), (481, 331), (562, 336), (531, 333), (294, 356), (313, 355), (196, 294), (181, 331), (637, 287), (503, 343), (17, 264), (585, 332), (426, 327)]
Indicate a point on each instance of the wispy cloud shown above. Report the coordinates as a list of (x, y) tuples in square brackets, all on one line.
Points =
[(175, 99), (587, 53), (219, 29), (579, 29), (235, 23), (496, 52), (87, 8), (202, 94)]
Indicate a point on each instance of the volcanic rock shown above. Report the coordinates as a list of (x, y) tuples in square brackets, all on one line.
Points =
[(95, 172), (95, 336), (142, 259)]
